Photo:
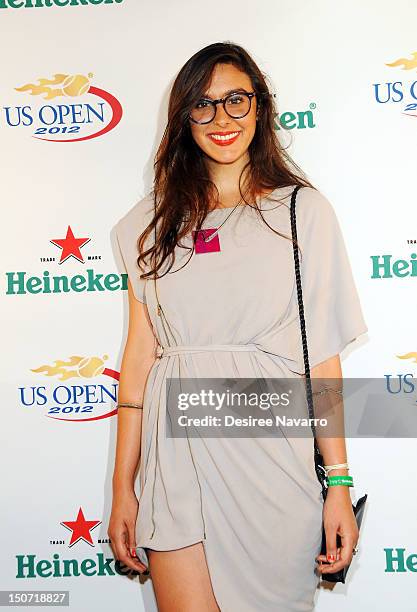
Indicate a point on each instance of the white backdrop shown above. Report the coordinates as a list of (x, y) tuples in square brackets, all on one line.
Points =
[(63, 348)]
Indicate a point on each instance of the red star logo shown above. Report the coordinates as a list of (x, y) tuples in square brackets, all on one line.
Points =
[(70, 246), (80, 528)]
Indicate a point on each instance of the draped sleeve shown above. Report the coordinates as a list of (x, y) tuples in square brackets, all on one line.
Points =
[(332, 308), (128, 230)]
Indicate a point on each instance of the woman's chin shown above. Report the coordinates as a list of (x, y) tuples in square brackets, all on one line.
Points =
[(224, 157)]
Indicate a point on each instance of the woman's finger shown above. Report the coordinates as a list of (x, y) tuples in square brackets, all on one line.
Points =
[(131, 545), (330, 531), (345, 557), (122, 553)]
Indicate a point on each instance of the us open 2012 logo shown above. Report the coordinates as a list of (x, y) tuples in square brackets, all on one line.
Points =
[(86, 391), (68, 108)]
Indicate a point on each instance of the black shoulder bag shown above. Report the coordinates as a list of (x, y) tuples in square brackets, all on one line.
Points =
[(359, 507)]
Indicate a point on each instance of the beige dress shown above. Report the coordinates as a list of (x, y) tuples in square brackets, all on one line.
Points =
[(255, 503)]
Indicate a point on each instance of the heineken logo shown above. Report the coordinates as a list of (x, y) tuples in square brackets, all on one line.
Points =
[(16, 4), (71, 248), (31, 566), (385, 266), (57, 566), (20, 283), (397, 560)]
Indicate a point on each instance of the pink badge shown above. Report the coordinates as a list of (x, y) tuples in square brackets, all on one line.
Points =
[(206, 247)]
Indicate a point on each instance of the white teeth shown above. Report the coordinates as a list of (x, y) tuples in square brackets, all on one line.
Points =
[(227, 137)]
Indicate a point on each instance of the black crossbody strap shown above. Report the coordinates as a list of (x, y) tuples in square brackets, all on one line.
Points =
[(318, 459)]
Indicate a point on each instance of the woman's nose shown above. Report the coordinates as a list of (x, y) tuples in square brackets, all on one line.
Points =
[(221, 118)]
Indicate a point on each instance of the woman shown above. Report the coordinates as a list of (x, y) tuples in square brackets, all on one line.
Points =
[(228, 523)]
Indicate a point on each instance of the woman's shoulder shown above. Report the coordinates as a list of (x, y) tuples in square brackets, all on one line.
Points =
[(309, 199), (138, 216), (311, 205)]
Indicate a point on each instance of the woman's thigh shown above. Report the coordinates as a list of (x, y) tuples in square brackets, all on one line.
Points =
[(181, 580)]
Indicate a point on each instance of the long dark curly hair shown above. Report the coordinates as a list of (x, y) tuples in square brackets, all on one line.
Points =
[(183, 192)]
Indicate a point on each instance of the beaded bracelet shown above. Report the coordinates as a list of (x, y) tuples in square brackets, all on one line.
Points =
[(333, 481), (325, 389)]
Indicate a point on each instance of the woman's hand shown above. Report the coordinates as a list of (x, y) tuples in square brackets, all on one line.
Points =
[(122, 529), (338, 518)]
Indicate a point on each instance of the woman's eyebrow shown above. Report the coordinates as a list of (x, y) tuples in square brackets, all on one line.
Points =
[(230, 91)]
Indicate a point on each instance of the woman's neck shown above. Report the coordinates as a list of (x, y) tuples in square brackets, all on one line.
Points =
[(226, 178)]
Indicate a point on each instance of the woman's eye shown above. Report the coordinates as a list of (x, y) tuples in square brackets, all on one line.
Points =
[(202, 104), (237, 99)]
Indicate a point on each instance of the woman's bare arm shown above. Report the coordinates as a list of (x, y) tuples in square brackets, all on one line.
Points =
[(138, 358), (332, 449), (338, 515)]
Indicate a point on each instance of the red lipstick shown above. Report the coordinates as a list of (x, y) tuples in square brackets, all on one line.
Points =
[(223, 139)]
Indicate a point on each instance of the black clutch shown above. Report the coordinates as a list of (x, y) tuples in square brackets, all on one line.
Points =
[(359, 507)]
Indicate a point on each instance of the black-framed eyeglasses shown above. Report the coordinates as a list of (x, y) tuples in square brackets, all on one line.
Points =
[(236, 105)]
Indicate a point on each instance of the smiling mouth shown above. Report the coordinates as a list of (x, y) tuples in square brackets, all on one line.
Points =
[(223, 138)]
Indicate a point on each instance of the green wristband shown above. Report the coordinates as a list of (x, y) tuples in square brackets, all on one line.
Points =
[(333, 481)]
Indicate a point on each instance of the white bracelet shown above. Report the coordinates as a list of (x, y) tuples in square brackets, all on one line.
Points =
[(336, 466)]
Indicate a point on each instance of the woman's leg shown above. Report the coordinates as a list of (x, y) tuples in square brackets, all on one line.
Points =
[(181, 580)]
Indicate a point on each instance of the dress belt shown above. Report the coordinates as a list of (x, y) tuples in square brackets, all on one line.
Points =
[(165, 351)]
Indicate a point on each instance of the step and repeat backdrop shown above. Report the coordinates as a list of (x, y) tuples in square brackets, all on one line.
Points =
[(83, 96)]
